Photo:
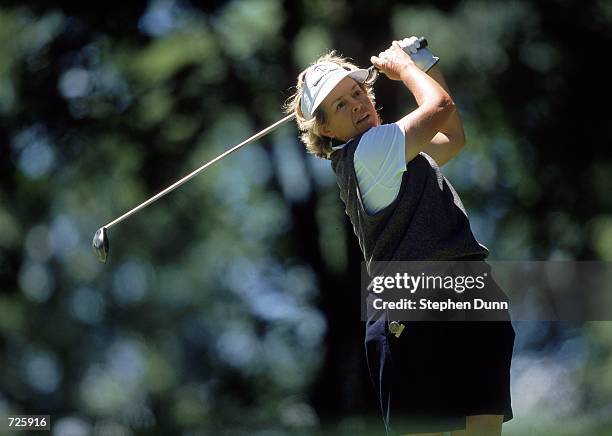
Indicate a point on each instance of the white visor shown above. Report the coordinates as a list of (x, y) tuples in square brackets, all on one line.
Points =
[(320, 79)]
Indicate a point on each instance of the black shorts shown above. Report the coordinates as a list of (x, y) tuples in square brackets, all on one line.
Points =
[(437, 373)]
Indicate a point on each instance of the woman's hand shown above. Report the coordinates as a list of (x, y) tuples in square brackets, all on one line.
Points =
[(393, 61)]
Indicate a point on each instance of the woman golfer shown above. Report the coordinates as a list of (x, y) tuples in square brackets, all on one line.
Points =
[(430, 377)]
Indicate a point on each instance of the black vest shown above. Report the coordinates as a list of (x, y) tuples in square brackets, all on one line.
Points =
[(426, 221)]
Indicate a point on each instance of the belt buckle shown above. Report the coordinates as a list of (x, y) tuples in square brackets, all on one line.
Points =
[(396, 328)]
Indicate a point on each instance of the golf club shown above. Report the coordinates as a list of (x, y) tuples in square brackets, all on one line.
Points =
[(373, 71), (100, 240)]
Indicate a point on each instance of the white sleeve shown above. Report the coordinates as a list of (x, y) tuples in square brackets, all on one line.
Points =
[(380, 161)]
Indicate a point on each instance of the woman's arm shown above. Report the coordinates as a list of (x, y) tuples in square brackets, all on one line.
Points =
[(435, 104), (449, 141)]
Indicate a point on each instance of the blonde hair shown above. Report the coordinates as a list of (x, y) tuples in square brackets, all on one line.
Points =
[(310, 135)]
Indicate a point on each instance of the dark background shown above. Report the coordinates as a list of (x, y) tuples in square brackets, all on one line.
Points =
[(231, 306)]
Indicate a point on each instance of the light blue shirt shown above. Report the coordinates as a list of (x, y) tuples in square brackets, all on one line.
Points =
[(380, 161)]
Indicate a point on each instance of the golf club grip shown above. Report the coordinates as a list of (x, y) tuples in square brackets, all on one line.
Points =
[(423, 42), (373, 72)]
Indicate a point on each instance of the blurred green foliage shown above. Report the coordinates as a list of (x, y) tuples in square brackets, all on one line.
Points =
[(231, 306)]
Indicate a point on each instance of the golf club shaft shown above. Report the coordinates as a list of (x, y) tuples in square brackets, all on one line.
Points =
[(199, 170), (373, 73)]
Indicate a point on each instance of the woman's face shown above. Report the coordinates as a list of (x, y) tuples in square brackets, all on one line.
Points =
[(349, 111)]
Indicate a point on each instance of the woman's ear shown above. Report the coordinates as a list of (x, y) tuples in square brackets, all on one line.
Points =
[(326, 131)]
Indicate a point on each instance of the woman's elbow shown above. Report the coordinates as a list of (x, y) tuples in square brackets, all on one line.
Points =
[(459, 140), (447, 105)]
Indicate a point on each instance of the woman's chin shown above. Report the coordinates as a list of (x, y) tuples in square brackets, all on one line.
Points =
[(366, 125)]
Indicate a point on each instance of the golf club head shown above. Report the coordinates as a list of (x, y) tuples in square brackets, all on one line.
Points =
[(100, 244)]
